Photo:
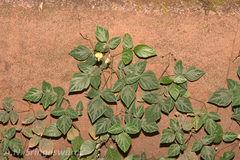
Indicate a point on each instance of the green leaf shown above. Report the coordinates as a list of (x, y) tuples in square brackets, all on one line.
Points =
[(173, 150), (64, 123), (65, 154), (95, 81), (59, 101), (59, 90), (108, 95), (229, 136), (127, 41), (79, 82), (167, 136), (80, 53), (27, 132), (128, 118), (41, 114), (15, 145), (183, 85), (184, 105), (71, 113), (137, 123), (33, 95), (214, 116), (4, 117), (164, 106), (115, 120), (114, 42), (129, 69), (143, 156), (218, 133), (13, 115), (34, 141), (101, 34), (118, 85), (79, 106), (112, 154), (86, 68), (190, 155), (166, 80), (57, 111), (197, 145), (138, 112), (38, 127), (77, 143), (238, 71), (152, 113), (210, 126), (174, 125), (93, 93), (174, 91), (52, 131), (121, 64), (108, 112), (124, 141), (127, 95), (48, 98), (148, 81), (87, 147), (149, 127), (179, 79), (29, 118), (72, 133), (228, 155), (116, 128), (4, 144), (231, 83), (131, 78), (144, 51), (169, 104), (236, 116), (101, 47), (10, 133), (140, 67), (221, 97), (180, 136), (151, 97), (46, 146), (8, 103), (197, 122), (130, 128), (235, 97), (178, 68), (96, 108), (207, 153), (193, 73), (187, 125), (102, 125), (46, 87), (127, 55), (206, 140)]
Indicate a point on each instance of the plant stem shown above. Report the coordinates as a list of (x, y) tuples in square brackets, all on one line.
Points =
[(166, 67), (200, 101)]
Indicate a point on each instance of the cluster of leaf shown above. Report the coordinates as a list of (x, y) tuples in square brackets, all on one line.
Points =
[(63, 125), (125, 87), (8, 112), (176, 132), (223, 97)]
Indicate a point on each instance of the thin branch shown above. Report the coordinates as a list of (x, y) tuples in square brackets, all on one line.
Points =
[(169, 54), (231, 53), (199, 101)]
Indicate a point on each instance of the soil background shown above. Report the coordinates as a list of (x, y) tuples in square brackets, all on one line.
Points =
[(35, 42)]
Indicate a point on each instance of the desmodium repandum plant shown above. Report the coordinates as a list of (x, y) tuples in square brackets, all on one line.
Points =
[(162, 94)]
